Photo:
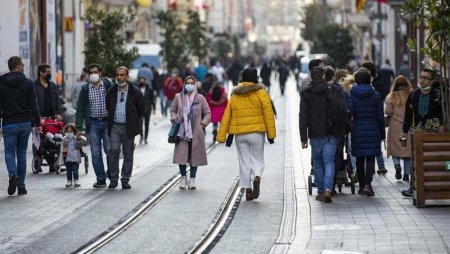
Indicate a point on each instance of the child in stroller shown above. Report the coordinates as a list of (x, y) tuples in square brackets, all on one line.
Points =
[(47, 145)]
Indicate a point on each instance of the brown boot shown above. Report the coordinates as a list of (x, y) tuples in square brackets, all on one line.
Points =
[(319, 197), (327, 196), (249, 194)]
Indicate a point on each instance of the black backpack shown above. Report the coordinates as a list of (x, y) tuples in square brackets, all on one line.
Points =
[(339, 117)]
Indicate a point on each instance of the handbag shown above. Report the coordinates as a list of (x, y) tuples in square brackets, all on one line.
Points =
[(386, 121), (173, 133)]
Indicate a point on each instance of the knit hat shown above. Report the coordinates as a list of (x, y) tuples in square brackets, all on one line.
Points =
[(250, 75)]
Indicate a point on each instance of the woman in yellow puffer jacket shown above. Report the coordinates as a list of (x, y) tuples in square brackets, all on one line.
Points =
[(249, 116)]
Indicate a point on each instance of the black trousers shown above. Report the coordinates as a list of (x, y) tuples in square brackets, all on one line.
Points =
[(145, 119), (365, 167)]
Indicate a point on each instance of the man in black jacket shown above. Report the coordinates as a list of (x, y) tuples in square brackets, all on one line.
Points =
[(422, 104), (149, 101), (313, 125), (47, 93), (125, 105), (19, 113)]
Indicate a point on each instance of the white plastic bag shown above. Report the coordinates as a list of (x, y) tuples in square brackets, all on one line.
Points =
[(157, 118)]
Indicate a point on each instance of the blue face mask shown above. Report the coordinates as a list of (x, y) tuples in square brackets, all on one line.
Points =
[(189, 88)]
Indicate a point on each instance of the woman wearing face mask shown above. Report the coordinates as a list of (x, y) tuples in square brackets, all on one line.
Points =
[(191, 110)]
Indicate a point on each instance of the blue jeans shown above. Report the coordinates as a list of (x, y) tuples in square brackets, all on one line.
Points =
[(406, 164), (324, 152), (98, 131), (162, 101), (16, 143), (72, 169)]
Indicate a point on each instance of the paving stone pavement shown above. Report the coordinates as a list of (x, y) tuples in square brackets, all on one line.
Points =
[(385, 223)]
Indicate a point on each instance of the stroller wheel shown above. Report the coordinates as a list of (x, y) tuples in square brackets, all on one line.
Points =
[(310, 185), (86, 163), (352, 187), (36, 165), (340, 188)]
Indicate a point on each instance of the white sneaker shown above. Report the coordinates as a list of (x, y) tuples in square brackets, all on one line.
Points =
[(69, 183), (183, 182), (76, 184), (191, 184)]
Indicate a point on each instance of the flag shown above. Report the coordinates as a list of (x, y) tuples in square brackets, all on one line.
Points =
[(359, 5)]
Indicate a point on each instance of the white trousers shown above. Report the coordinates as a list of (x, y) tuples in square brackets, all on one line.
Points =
[(250, 148)]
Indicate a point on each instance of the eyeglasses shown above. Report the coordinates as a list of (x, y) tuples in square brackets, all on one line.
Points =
[(122, 96), (425, 78)]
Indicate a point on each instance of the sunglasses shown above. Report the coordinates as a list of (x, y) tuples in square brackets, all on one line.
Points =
[(122, 96)]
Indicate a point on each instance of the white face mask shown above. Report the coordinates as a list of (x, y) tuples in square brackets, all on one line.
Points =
[(70, 135), (121, 84), (94, 78), (189, 88)]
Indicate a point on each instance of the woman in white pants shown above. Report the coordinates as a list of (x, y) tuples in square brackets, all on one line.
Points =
[(249, 116)]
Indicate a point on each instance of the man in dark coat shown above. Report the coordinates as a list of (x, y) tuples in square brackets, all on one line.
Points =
[(423, 104), (314, 125), (47, 93), (283, 76), (125, 105), (19, 112), (149, 101)]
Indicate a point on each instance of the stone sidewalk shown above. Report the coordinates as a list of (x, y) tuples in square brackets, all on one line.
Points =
[(385, 223)]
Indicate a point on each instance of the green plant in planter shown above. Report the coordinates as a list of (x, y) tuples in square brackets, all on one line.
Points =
[(431, 126), (434, 16)]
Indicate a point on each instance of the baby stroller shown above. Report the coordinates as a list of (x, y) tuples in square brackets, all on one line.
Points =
[(47, 145), (343, 170)]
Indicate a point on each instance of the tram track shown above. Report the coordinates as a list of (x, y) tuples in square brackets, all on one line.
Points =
[(205, 243)]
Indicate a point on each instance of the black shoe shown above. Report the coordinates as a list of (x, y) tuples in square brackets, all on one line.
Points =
[(256, 183), (406, 177), (382, 170), (12, 185), (398, 172), (126, 185), (113, 185), (100, 184), (21, 191), (407, 193)]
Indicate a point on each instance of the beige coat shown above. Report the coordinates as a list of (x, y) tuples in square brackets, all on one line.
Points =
[(395, 130), (202, 115)]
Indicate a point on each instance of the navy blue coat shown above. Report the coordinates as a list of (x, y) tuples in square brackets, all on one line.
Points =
[(368, 121)]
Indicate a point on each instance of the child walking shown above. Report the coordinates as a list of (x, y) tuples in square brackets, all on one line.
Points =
[(72, 144)]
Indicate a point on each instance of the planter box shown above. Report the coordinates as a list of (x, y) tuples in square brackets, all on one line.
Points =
[(431, 162)]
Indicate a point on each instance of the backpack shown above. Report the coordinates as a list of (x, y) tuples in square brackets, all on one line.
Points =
[(337, 112)]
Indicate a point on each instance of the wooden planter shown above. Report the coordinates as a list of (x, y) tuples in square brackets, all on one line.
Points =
[(431, 162)]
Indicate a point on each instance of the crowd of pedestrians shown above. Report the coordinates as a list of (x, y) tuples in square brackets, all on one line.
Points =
[(374, 100)]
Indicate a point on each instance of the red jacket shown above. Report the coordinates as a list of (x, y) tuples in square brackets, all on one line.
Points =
[(172, 88)]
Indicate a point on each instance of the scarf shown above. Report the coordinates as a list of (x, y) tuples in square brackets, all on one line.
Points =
[(188, 116)]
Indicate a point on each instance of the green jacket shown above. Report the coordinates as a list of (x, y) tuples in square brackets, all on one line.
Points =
[(83, 106)]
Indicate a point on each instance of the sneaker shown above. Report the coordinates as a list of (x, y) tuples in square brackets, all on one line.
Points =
[(398, 171), (76, 183), (69, 183), (406, 177), (382, 170), (327, 196), (12, 185), (249, 194), (407, 193), (126, 185), (256, 184), (183, 182), (319, 197), (21, 191), (100, 184), (191, 184), (113, 184)]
